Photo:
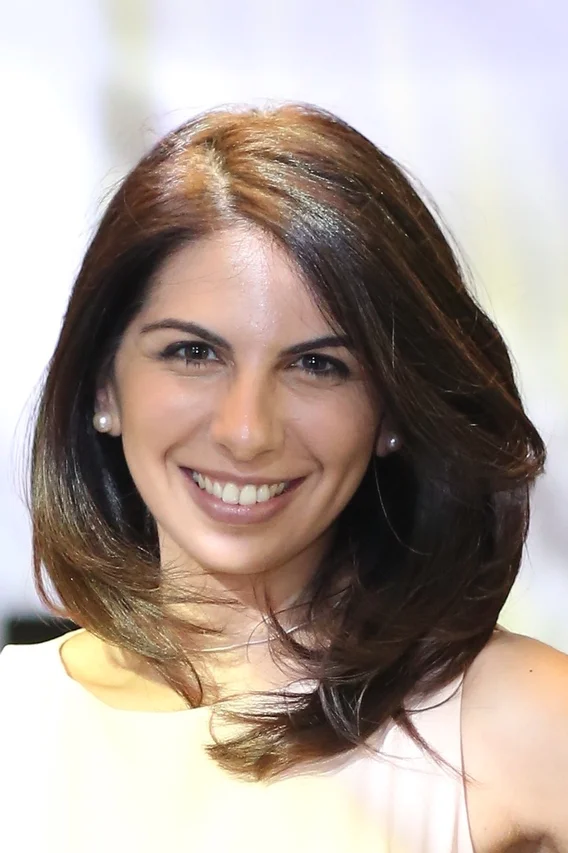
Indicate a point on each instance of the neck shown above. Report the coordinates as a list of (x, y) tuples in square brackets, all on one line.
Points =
[(251, 642), (233, 607)]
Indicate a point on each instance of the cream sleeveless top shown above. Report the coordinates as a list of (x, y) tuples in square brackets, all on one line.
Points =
[(77, 776)]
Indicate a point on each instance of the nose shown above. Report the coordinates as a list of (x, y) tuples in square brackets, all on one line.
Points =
[(247, 421)]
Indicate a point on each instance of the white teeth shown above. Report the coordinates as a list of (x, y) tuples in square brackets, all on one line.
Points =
[(231, 494), (263, 494), (247, 496)]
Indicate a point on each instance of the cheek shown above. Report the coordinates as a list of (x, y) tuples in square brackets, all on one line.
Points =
[(155, 410), (342, 431)]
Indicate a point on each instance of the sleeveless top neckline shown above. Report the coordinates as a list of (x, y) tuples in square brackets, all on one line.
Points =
[(150, 783)]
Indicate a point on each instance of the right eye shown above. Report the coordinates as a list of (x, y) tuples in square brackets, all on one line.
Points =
[(194, 353)]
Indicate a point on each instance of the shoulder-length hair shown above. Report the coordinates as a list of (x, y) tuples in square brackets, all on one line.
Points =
[(431, 541)]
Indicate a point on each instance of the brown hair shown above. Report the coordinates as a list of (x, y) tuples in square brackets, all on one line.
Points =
[(432, 539)]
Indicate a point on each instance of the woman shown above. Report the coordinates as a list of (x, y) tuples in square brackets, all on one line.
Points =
[(280, 479)]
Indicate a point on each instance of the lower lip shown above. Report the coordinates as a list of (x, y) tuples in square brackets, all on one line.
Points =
[(216, 509)]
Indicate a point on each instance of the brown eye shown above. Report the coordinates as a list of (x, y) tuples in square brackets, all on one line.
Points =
[(323, 367), (193, 352)]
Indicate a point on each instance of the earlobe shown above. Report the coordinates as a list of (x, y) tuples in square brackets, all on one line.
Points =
[(106, 418), (102, 422), (394, 443), (389, 442)]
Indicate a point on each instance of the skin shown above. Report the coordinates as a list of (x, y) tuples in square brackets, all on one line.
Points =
[(515, 747), (251, 411)]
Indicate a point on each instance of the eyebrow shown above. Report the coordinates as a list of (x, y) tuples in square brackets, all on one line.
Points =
[(211, 338)]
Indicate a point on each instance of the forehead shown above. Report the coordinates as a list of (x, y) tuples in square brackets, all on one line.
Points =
[(238, 278)]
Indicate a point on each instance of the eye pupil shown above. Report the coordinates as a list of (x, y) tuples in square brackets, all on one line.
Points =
[(315, 363), (197, 351)]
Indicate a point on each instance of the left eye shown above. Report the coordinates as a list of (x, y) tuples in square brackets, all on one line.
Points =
[(319, 365)]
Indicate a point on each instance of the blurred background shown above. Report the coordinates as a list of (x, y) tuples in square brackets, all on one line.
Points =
[(470, 97)]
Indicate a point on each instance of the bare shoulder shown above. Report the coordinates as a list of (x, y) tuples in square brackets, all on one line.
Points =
[(515, 742), (100, 669), (87, 660), (517, 668)]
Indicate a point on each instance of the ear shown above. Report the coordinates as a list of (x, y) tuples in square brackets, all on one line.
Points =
[(107, 402), (388, 440)]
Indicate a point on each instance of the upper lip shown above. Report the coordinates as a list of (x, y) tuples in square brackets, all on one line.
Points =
[(239, 479)]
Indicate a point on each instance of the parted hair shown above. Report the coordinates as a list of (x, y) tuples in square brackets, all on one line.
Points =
[(430, 543)]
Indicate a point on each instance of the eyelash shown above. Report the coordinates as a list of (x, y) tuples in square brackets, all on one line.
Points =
[(338, 370)]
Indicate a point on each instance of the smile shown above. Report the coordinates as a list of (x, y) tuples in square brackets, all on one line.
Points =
[(230, 493), (229, 504)]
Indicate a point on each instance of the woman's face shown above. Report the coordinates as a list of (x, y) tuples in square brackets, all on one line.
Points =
[(219, 377)]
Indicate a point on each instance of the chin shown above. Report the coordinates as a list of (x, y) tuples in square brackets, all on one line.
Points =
[(218, 558)]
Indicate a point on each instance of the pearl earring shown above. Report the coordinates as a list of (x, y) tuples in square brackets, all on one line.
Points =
[(102, 422), (393, 443)]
